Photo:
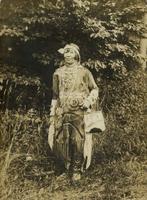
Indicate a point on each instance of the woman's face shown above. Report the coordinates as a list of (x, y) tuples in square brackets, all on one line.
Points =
[(69, 55)]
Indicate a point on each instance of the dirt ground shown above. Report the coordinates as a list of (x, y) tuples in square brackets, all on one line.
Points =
[(59, 188)]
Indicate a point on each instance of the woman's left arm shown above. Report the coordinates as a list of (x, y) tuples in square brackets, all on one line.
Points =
[(93, 88)]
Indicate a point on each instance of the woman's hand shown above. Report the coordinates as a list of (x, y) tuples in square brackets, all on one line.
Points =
[(53, 107), (86, 104), (52, 119)]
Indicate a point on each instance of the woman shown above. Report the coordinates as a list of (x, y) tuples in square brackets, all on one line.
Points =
[(74, 92)]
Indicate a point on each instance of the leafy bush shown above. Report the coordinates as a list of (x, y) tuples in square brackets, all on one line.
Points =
[(124, 103), (122, 148), (24, 146)]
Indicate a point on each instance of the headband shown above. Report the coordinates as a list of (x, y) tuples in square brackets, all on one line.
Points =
[(70, 46)]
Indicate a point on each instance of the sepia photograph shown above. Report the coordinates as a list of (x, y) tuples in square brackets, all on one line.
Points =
[(73, 99)]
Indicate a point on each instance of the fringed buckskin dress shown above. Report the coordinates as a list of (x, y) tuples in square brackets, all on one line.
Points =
[(71, 86)]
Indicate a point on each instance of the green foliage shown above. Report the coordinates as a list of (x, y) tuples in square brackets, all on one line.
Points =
[(123, 147), (123, 104), (24, 145), (106, 31)]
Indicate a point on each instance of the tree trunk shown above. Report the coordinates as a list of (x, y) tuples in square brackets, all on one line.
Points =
[(143, 44)]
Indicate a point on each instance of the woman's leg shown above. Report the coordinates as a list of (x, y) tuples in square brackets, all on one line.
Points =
[(76, 154)]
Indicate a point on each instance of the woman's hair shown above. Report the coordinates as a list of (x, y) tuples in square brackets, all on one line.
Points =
[(77, 57)]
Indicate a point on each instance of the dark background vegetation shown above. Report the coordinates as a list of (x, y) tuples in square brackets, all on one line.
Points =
[(108, 34)]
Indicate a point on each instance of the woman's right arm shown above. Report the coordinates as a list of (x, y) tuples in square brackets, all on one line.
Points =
[(55, 89)]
